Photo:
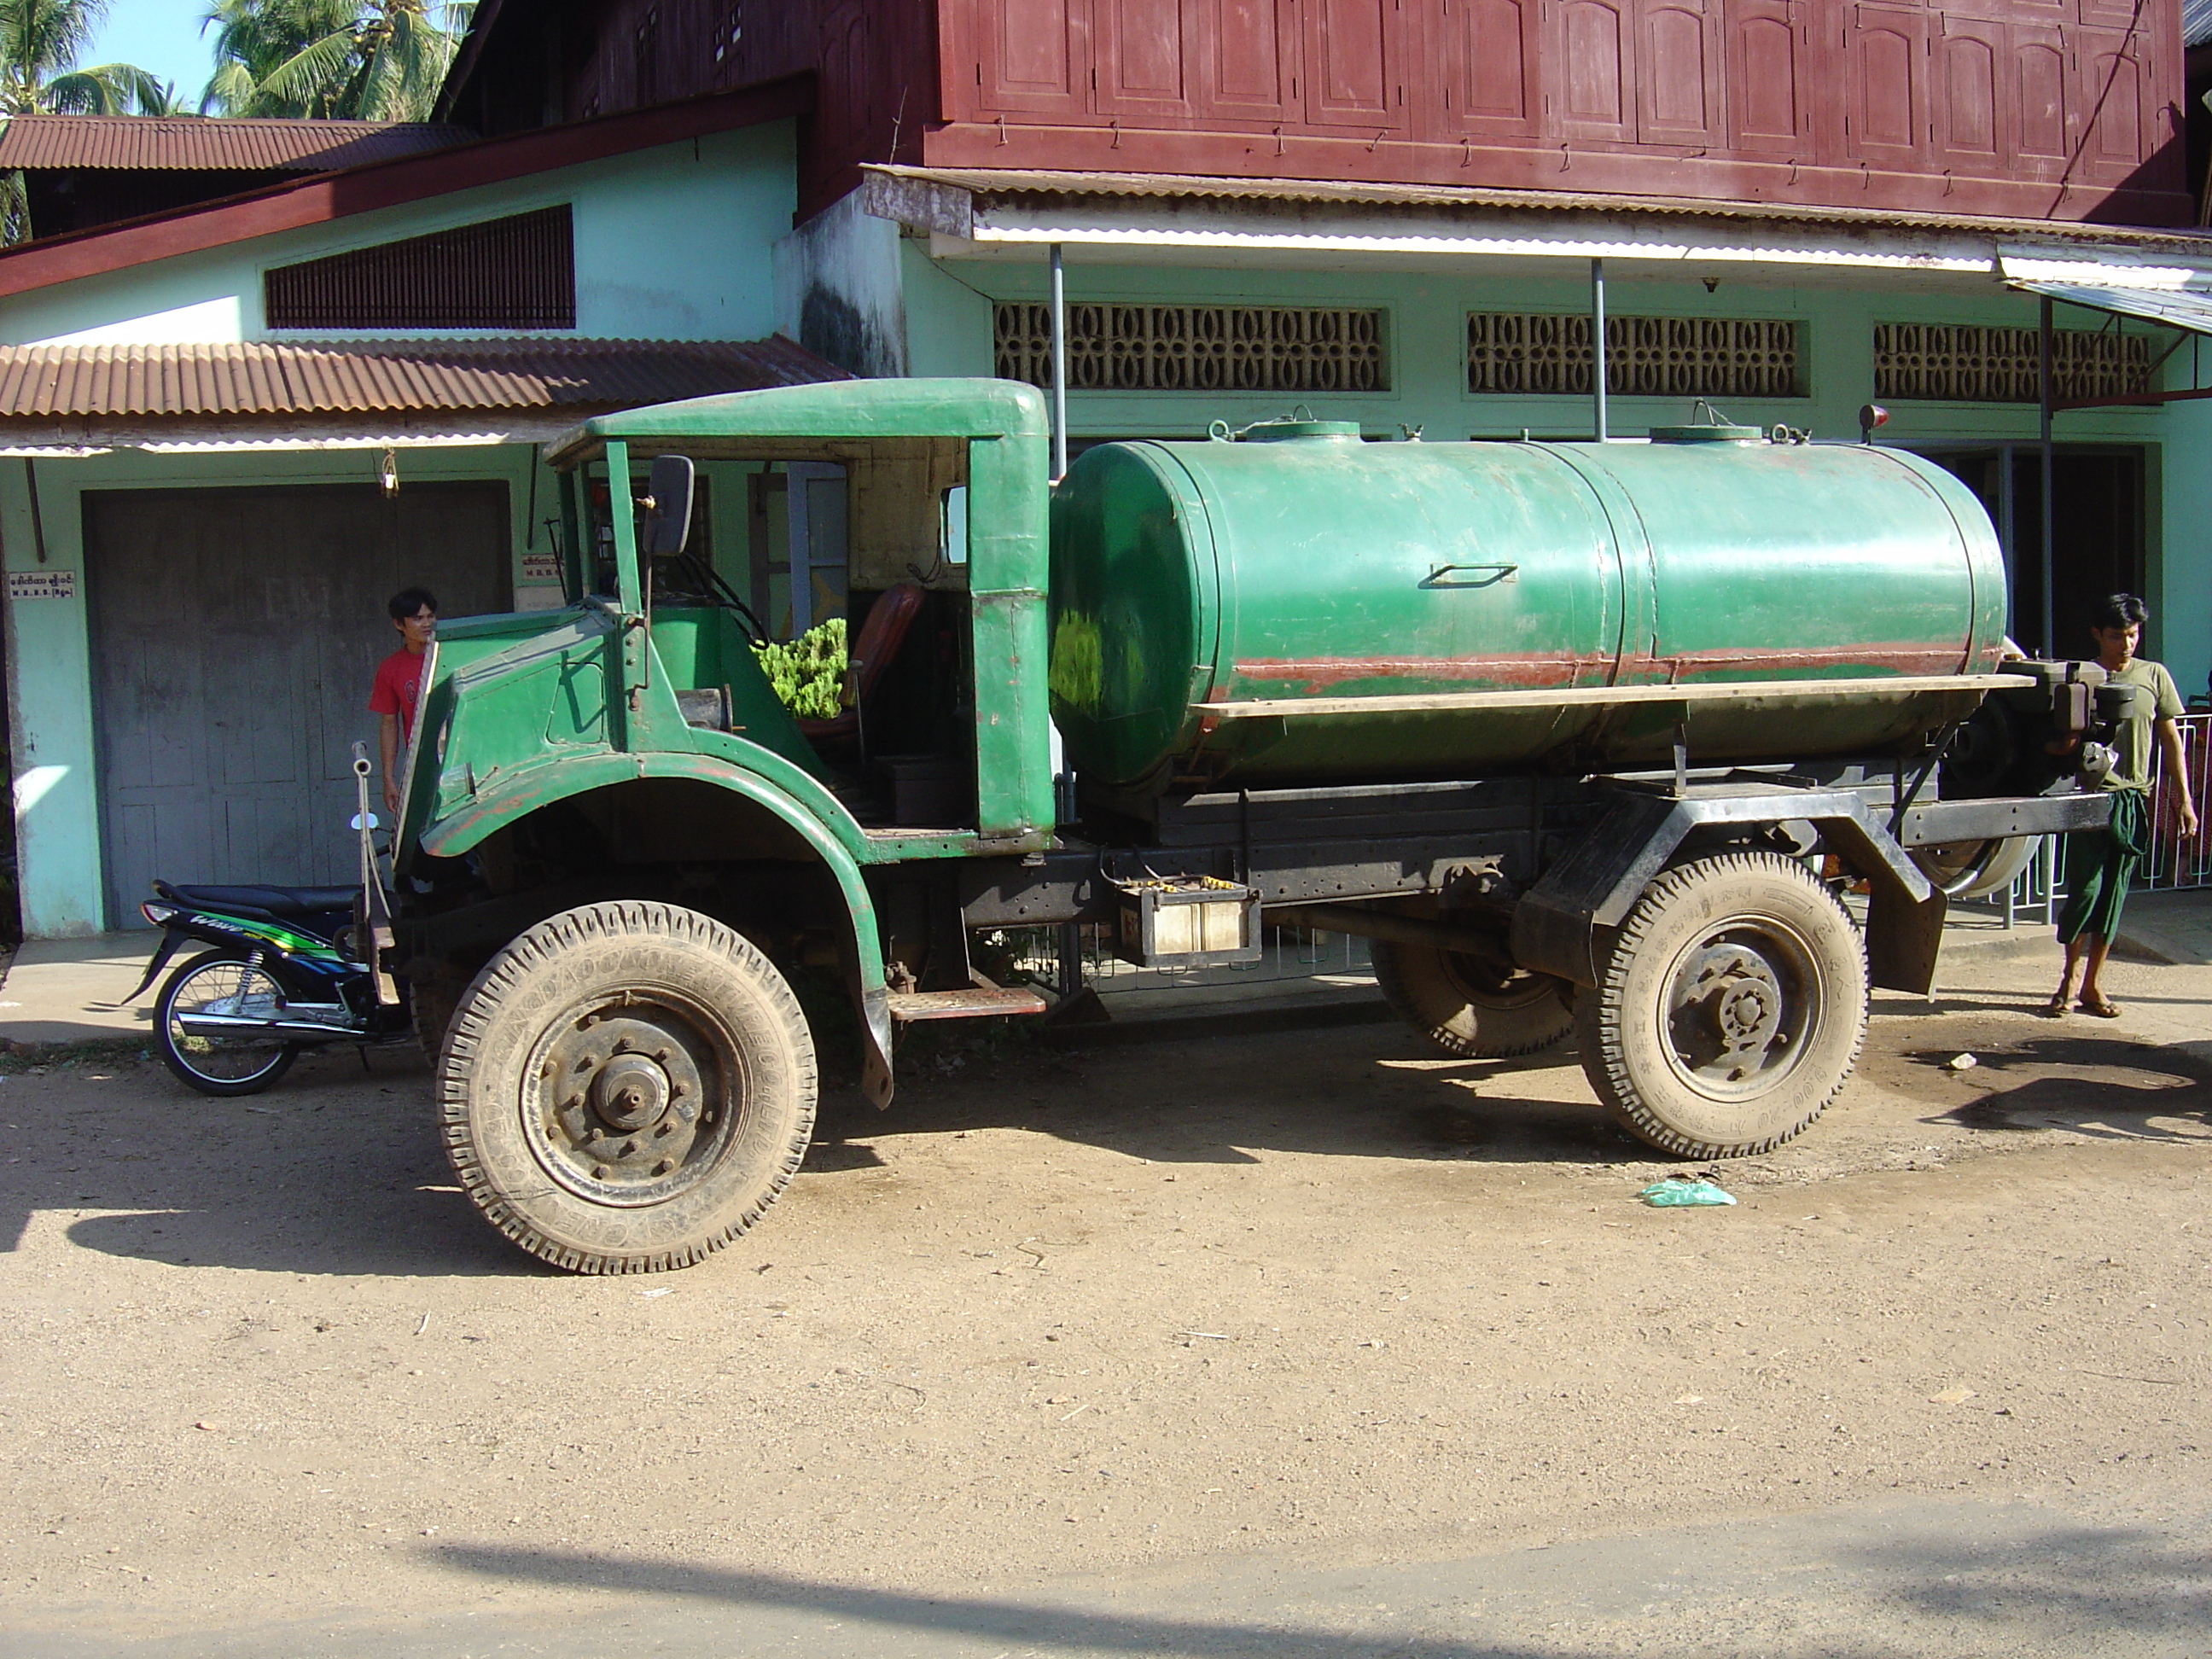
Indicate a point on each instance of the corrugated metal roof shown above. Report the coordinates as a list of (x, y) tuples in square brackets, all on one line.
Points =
[(349, 378), (2195, 22), (1039, 184), (163, 142)]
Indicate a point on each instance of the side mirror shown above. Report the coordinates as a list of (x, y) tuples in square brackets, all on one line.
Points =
[(669, 524)]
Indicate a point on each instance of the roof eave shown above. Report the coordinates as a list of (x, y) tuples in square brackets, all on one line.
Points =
[(322, 197), (1024, 206)]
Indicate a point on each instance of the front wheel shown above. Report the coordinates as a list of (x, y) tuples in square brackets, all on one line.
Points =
[(222, 984), (626, 1088), (1730, 1008)]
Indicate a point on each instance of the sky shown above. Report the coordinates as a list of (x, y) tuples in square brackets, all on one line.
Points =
[(160, 35)]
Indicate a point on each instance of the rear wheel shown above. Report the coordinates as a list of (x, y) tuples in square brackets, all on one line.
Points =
[(1468, 1007), (431, 1001), (626, 1088), (1975, 869), (222, 984), (1729, 1010)]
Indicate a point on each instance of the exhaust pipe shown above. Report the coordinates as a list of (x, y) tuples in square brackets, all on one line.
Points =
[(232, 1025)]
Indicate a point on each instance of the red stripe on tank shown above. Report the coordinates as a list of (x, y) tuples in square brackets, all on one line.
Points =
[(1533, 673), (1872, 658)]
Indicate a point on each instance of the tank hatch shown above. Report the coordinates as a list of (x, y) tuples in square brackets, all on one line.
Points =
[(1706, 432), (1276, 432)]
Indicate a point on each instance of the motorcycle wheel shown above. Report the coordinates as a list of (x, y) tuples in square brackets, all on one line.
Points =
[(219, 1066)]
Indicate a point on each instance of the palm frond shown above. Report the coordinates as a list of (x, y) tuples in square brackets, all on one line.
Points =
[(230, 90), (307, 82), (15, 210), (406, 70), (87, 92)]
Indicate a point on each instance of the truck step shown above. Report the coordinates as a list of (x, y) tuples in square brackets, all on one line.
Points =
[(975, 1002)]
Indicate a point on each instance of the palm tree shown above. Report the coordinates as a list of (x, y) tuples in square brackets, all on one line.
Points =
[(40, 41), (371, 60)]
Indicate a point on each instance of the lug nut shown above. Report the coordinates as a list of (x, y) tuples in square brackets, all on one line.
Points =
[(664, 1166), (599, 1171), (626, 1148), (664, 1127)]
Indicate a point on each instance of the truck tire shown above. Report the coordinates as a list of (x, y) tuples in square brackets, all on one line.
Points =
[(1730, 1008), (626, 1088), (1466, 1008)]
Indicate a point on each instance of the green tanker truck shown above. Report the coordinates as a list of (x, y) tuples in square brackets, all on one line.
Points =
[(1581, 737)]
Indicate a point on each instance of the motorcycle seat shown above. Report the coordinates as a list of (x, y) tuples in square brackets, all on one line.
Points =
[(269, 901)]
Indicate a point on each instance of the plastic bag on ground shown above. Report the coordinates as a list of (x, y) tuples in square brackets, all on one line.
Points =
[(1677, 1192)]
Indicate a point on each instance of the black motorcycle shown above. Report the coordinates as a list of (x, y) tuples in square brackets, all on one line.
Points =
[(288, 968)]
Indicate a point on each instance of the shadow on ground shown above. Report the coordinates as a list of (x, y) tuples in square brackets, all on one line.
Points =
[(335, 1171), (2100, 1086), (1359, 1091)]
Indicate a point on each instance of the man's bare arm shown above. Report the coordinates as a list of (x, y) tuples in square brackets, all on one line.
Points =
[(2177, 776)]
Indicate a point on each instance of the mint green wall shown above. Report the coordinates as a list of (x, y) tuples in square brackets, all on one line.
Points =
[(949, 321), (55, 746), (671, 243), (2181, 590)]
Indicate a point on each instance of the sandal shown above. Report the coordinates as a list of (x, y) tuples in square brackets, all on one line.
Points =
[(2102, 1008), (2054, 1009)]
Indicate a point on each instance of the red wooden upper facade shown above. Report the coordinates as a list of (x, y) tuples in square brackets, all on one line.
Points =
[(2033, 109)]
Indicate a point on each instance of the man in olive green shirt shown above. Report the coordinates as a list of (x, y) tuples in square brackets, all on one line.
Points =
[(2100, 863)]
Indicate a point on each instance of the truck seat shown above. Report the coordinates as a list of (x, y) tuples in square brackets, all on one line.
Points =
[(889, 619)]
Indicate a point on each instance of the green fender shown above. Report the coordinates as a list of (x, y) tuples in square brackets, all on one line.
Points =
[(526, 789)]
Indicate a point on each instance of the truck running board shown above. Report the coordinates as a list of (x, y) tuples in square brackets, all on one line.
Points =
[(975, 1002)]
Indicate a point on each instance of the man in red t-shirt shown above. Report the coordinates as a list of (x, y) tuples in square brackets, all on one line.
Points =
[(399, 685)]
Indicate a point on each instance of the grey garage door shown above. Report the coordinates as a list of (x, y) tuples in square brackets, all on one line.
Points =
[(235, 635)]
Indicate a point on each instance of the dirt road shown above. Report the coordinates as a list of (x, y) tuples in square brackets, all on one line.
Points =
[(1303, 1343)]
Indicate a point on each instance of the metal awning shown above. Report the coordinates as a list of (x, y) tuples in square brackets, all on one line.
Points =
[(2180, 306), (2183, 308)]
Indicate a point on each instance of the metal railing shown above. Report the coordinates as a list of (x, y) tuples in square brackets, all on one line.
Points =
[(2174, 863)]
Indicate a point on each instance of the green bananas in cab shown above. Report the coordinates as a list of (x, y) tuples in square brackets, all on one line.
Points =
[(808, 672)]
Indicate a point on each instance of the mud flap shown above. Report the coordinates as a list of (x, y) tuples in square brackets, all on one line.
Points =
[(171, 938), (875, 1010), (1904, 936)]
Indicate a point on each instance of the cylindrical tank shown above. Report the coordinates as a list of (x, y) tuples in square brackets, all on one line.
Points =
[(1301, 563)]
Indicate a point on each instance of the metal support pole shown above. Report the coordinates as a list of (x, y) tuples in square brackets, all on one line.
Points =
[(1068, 939), (2043, 386), (1059, 369), (1597, 347)]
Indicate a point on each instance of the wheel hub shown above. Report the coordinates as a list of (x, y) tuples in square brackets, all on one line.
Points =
[(630, 1091), (625, 1112), (1727, 1014)]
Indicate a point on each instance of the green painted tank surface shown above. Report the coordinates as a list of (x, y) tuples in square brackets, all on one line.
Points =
[(1313, 566)]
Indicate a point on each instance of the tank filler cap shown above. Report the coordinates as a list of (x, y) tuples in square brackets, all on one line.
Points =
[(1706, 433), (1276, 432)]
